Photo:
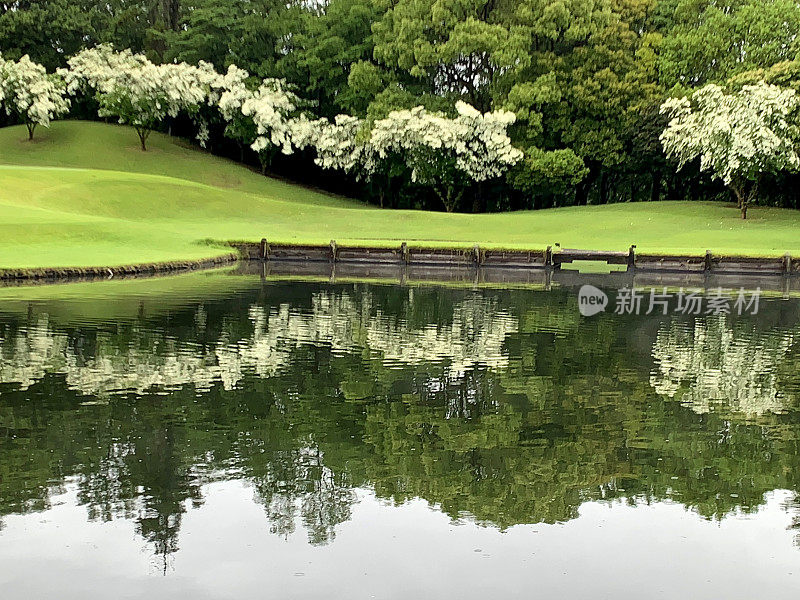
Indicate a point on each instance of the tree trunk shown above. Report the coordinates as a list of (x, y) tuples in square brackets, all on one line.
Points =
[(31, 127), (604, 188), (478, 202), (739, 193), (582, 193), (143, 133), (449, 199), (655, 191), (743, 196), (583, 189)]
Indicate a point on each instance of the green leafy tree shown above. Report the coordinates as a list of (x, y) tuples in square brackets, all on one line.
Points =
[(49, 31), (330, 46), (710, 42)]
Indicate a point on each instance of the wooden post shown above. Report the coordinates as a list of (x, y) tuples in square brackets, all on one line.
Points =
[(548, 257), (632, 257), (404, 254), (476, 255), (787, 264), (264, 251), (707, 264), (334, 250)]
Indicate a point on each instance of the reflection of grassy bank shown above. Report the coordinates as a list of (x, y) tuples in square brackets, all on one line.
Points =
[(113, 299), (84, 195)]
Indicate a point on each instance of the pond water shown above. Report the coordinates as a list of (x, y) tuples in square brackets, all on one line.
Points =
[(233, 437)]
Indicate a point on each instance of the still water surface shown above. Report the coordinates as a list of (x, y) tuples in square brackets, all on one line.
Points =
[(228, 437)]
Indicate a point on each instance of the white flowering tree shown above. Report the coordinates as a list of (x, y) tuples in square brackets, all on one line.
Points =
[(738, 136), (447, 154), (340, 145), (268, 119), (137, 92), (345, 145), (195, 90), (30, 94), (233, 89)]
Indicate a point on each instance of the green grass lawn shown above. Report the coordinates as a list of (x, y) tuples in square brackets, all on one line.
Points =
[(83, 194)]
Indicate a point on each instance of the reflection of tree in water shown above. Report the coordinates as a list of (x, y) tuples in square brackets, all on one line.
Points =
[(297, 485), (711, 364), (504, 408), (792, 506), (141, 359)]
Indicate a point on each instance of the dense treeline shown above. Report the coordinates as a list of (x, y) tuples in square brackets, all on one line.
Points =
[(584, 79)]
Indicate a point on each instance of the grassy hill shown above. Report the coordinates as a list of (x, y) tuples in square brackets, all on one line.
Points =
[(83, 194)]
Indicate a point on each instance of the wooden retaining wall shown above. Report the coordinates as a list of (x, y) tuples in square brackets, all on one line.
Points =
[(517, 259), (91, 273), (515, 277)]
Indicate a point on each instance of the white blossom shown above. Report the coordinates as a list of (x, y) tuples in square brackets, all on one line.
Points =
[(231, 92), (28, 92), (448, 153), (339, 146), (137, 92), (737, 136), (270, 107), (267, 118)]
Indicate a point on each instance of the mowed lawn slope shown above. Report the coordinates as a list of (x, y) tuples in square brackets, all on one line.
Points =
[(83, 194)]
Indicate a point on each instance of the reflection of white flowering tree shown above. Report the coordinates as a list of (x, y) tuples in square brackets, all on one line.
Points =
[(711, 364), (151, 360), (30, 94), (738, 136), (447, 154), (475, 335)]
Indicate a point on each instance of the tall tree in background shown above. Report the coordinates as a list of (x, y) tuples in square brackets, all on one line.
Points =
[(712, 41), (328, 45), (252, 34), (48, 31)]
